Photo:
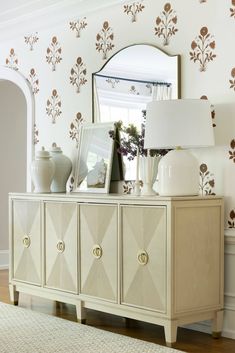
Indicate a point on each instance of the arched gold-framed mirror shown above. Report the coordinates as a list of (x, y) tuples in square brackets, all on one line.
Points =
[(131, 78)]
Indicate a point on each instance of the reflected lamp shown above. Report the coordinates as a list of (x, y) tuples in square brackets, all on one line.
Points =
[(179, 125)]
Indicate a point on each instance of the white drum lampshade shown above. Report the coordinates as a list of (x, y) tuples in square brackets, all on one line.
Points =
[(178, 124)]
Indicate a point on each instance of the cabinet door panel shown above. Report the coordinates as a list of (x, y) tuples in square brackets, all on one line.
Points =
[(98, 236), (61, 246), (144, 257), (197, 244), (26, 241)]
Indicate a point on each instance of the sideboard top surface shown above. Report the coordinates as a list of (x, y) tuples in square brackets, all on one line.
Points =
[(119, 198)]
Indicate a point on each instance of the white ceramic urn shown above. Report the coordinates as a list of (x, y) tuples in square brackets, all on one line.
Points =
[(63, 168), (42, 171)]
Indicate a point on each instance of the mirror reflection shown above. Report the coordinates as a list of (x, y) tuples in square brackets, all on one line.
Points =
[(131, 78)]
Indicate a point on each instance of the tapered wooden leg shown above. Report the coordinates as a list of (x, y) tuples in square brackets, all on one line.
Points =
[(170, 333), (81, 312), (127, 322), (14, 295), (217, 324)]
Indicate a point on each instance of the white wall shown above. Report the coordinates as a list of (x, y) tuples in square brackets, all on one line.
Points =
[(13, 141)]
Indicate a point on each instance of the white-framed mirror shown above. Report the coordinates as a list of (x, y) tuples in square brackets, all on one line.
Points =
[(129, 80)]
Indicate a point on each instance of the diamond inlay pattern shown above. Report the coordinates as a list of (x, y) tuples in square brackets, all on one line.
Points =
[(98, 225), (61, 267), (144, 228), (27, 260)]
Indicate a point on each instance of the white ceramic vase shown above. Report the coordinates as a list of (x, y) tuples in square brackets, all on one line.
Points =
[(42, 171), (148, 174), (63, 168)]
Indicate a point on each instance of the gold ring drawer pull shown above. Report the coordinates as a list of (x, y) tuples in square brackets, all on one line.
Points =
[(142, 257), (60, 246), (26, 241), (97, 251)]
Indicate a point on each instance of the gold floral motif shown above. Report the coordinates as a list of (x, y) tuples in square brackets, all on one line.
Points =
[(133, 9), (78, 26), (31, 40), (104, 39), (34, 81), (12, 60), (53, 108), (53, 56), (75, 128), (202, 49), (36, 134), (78, 74), (166, 24)]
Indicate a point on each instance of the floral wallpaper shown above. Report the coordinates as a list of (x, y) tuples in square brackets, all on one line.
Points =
[(166, 24), (133, 9), (53, 56), (12, 60), (53, 107), (77, 26), (59, 61), (104, 40), (78, 74), (31, 40), (202, 49)]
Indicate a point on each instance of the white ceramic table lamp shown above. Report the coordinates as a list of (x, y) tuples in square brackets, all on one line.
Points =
[(178, 124)]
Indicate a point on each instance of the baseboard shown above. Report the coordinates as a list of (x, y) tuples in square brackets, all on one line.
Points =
[(4, 259)]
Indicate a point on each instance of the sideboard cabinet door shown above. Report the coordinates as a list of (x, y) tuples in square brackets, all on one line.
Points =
[(144, 255), (98, 251), (61, 246), (26, 241)]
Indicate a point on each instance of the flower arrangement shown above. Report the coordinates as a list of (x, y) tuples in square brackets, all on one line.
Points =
[(131, 140)]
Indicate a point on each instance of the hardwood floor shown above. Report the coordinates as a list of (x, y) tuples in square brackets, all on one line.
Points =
[(187, 340)]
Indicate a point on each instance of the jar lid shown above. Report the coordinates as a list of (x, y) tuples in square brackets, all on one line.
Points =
[(43, 153), (55, 148)]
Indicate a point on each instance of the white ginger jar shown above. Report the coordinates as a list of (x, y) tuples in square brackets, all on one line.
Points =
[(63, 168), (42, 171)]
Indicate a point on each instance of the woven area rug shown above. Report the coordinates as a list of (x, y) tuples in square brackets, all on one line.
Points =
[(26, 331)]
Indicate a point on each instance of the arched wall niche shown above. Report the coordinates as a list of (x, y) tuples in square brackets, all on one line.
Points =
[(18, 79)]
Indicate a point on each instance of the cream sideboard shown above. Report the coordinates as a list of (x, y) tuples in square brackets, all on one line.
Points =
[(155, 259)]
